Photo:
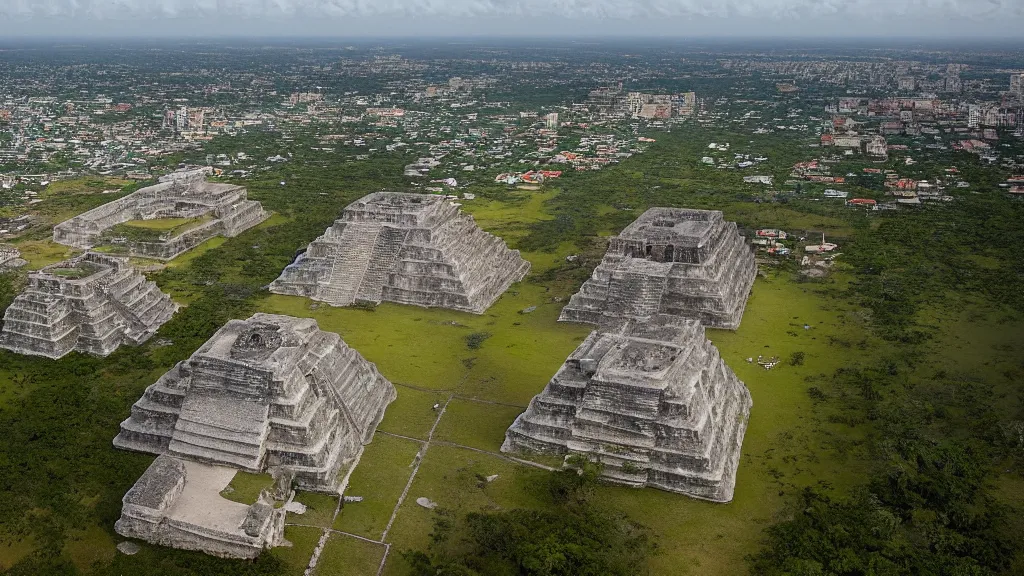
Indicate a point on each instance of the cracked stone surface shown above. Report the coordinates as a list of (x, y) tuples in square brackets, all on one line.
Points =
[(650, 399), (92, 303), (415, 249), (183, 194), (688, 263), (269, 394)]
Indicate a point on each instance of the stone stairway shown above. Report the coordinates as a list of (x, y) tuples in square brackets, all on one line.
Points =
[(385, 254), (221, 429), (351, 260)]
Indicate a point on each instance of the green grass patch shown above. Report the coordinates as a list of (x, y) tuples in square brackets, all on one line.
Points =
[(296, 557), (380, 477), (245, 487), (346, 556), (412, 413), (83, 185), (319, 509), (476, 424), (42, 253), (13, 549), (90, 546), (453, 477), (155, 230)]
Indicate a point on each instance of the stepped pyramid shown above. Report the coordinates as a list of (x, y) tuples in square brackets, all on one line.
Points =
[(675, 261), (408, 248), (268, 394), (91, 303), (652, 400), (264, 393)]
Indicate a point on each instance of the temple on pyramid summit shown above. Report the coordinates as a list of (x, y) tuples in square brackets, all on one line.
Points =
[(210, 209), (651, 400), (688, 263), (91, 303), (269, 394), (407, 248)]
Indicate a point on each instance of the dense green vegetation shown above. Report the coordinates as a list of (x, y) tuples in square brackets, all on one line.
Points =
[(574, 538)]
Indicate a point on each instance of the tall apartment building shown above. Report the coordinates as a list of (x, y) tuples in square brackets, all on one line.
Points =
[(1017, 83)]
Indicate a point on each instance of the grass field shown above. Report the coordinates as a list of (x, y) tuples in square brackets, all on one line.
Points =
[(84, 185)]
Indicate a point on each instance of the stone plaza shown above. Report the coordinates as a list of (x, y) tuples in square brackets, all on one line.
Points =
[(185, 194)]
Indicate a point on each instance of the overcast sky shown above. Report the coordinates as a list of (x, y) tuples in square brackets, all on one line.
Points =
[(683, 18)]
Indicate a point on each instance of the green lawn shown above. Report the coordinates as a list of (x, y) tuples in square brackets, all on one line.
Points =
[(245, 487), (412, 413), (319, 509), (379, 479), (346, 556), (41, 253), (165, 224), (296, 557), (476, 424)]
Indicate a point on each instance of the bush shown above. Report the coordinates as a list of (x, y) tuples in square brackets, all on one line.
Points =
[(476, 339)]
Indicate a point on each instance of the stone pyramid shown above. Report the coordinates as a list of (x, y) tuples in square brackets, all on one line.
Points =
[(407, 248), (268, 394), (271, 392), (652, 400), (676, 261), (91, 303)]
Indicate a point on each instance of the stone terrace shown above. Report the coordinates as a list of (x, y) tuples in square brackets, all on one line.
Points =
[(184, 194), (407, 248), (676, 261), (92, 303), (653, 401)]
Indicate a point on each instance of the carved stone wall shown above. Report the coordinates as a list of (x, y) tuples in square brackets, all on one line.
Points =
[(92, 303), (408, 248), (178, 195), (689, 263), (652, 400)]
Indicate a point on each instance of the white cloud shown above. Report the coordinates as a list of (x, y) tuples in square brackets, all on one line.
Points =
[(601, 9)]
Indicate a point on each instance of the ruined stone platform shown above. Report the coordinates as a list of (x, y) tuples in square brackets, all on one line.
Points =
[(688, 263), (177, 503), (10, 257), (652, 400), (415, 249), (183, 194), (269, 394), (92, 303)]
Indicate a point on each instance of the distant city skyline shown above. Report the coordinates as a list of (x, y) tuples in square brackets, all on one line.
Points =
[(936, 19)]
